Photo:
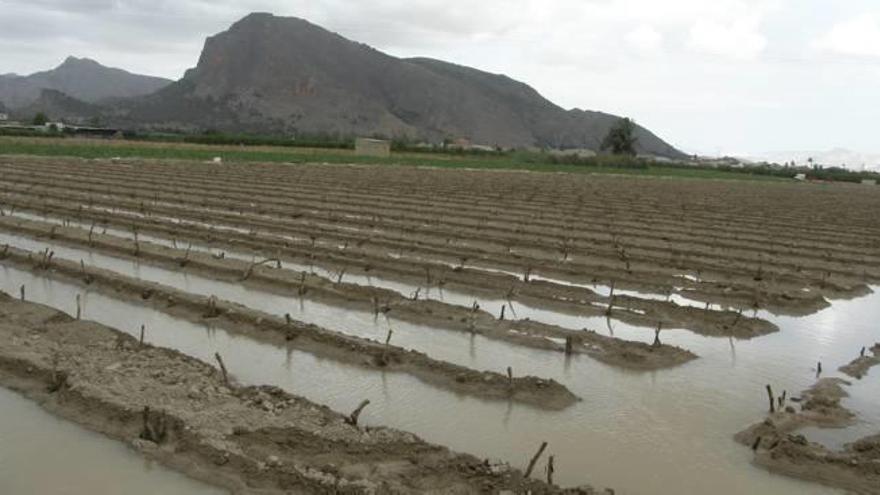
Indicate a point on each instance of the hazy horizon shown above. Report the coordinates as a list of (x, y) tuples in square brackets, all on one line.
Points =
[(739, 77)]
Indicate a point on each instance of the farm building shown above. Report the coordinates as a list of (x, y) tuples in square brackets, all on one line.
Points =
[(869, 182), (372, 147), (4, 117)]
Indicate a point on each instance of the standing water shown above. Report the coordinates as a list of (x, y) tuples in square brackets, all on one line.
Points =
[(41, 454), (663, 432)]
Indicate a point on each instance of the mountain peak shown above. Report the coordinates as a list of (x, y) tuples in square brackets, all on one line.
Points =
[(264, 23), (285, 75), (80, 78), (72, 61)]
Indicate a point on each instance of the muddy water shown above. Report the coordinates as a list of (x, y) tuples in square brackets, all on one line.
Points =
[(403, 288), (441, 344), (41, 454), (664, 432)]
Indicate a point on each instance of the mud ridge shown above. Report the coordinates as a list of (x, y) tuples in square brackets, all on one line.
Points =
[(612, 351), (780, 450), (182, 413), (534, 391)]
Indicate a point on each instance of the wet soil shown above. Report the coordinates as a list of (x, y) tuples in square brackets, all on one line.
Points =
[(537, 392), (617, 352), (860, 366), (185, 414), (779, 449)]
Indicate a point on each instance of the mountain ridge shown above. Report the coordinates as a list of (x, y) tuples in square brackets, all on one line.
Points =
[(321, 82), (80, 78), (288, 76)]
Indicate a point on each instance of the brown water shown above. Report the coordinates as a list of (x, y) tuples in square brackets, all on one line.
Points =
[(43, 455), (663, 432)]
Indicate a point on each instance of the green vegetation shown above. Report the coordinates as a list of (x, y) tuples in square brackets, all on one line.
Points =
[(621, 138), (515, 160), (326, 141), (40, 119)]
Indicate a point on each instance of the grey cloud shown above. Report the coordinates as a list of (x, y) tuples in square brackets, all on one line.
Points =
[(574, 51)]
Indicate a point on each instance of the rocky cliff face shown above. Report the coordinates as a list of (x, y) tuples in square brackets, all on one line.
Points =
[(286, 75)]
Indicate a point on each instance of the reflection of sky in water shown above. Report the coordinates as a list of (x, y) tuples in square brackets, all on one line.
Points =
[(633, 431)]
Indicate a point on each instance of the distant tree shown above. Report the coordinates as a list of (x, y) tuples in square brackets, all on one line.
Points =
[(40, 119), (621, 138)]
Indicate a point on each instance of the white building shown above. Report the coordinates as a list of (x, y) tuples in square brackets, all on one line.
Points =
[(3, 117)]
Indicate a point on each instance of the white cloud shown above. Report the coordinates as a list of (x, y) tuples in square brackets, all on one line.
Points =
[(740, 39), (645, 40), (859, 36)]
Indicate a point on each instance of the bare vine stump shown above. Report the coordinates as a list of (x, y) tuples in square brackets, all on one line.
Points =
[(756, 444), (222, 368), (534, 460), (155, 428), (610, 300), (510, 379), (352, 419)]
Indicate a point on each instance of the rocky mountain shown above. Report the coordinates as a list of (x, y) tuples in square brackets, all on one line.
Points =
[(79, 78), (60, 106), (286, 75)]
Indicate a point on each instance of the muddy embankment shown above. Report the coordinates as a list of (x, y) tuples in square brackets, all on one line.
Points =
[(612, 351), (770, 282), (780, 450), (537, 392), (860, 366), (570, 297), (190, 416)]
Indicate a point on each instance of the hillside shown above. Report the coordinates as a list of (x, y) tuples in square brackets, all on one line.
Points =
[(79, 78), (285, 75)]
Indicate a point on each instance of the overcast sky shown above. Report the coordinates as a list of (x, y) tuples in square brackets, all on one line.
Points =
[(711, 76)]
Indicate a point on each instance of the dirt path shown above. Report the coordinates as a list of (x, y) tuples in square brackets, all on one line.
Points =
[(183, 413)]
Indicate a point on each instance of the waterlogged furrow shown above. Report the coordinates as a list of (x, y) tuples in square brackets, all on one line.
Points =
[(438, 343), (621, 402), (793, 300), (458, 300)]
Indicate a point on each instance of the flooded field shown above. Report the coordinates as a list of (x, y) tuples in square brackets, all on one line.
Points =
[(80, 461), (762, 310)]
